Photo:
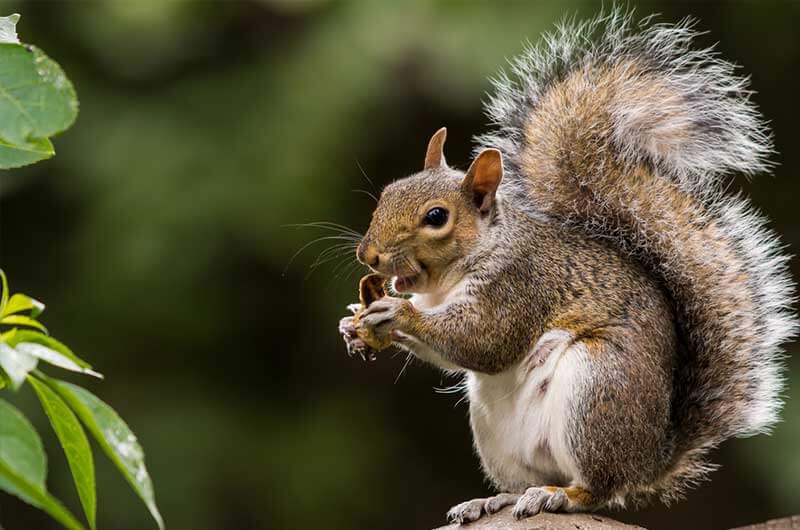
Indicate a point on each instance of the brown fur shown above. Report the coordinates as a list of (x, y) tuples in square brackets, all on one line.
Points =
[(552, 277), (611, 225), (574, 184)]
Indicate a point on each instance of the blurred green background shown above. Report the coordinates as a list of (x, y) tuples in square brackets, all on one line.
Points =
[(158, 238)]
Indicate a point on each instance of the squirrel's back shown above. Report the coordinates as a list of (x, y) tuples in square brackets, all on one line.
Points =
[(627, 134)]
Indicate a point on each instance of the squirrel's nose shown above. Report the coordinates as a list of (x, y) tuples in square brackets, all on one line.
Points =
[(368, 255)]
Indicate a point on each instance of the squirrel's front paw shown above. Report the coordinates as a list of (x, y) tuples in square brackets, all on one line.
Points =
[(354, 343), (384, 316)]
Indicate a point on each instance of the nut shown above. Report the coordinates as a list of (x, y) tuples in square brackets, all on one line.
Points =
[(371, 288)]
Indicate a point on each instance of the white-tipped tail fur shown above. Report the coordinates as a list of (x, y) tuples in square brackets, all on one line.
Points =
[(626, 131)]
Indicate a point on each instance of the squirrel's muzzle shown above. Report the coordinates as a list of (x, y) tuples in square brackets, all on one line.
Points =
[(368, 254)]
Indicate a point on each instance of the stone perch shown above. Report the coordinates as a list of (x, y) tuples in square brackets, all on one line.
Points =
[(503, 520), (586, 521)]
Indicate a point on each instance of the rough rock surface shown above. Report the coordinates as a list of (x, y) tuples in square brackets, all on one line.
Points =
[(585, 521), (546, 521)]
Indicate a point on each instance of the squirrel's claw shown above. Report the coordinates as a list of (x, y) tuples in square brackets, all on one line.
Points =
[(500, 501), (383, 311), (536, 500), (352, 341), (470, 511), (347, 328), (466, 512)]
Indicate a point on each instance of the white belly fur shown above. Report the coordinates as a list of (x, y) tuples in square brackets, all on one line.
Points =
[(519, 429)]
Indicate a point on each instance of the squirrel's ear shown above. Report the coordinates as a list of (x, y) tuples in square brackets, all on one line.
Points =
[(435, 155), (483, 177)]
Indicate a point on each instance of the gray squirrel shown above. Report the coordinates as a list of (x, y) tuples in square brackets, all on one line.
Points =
[(615, 313)]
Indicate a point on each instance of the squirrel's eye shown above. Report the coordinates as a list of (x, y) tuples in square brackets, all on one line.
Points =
[(435, 217)]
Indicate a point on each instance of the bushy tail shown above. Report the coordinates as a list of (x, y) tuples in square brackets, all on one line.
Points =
[(627, 131)]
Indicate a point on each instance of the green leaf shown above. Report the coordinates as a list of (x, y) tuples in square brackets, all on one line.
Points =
[(8, 29), (4, 379), (75, 444), (20, 302), (22, 320), (28, 335), (39, 498), (21, 449), (114, 437), (23, 466), (36, 98), (25, 153), (53, 357), (9, 335), (4, 294), (16, 364)]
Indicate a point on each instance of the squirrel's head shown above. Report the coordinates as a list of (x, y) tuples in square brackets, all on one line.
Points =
[(425, 222)]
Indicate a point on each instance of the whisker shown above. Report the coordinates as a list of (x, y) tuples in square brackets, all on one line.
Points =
[(365, 192), (403, 369), (327, 225), (460, 401), (452, 389), (334, 250), (344, 256), (320, 223), (340, 261), (341, 267), (348, 269), (364, 173), (317, 240), (411, 265), (343, 264), (343, 253), (357, 267)]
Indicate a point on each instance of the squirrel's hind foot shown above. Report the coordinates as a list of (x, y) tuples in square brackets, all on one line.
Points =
[(470, 511), (533, 501), (551, 499), (466, 512), (536, 500)]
